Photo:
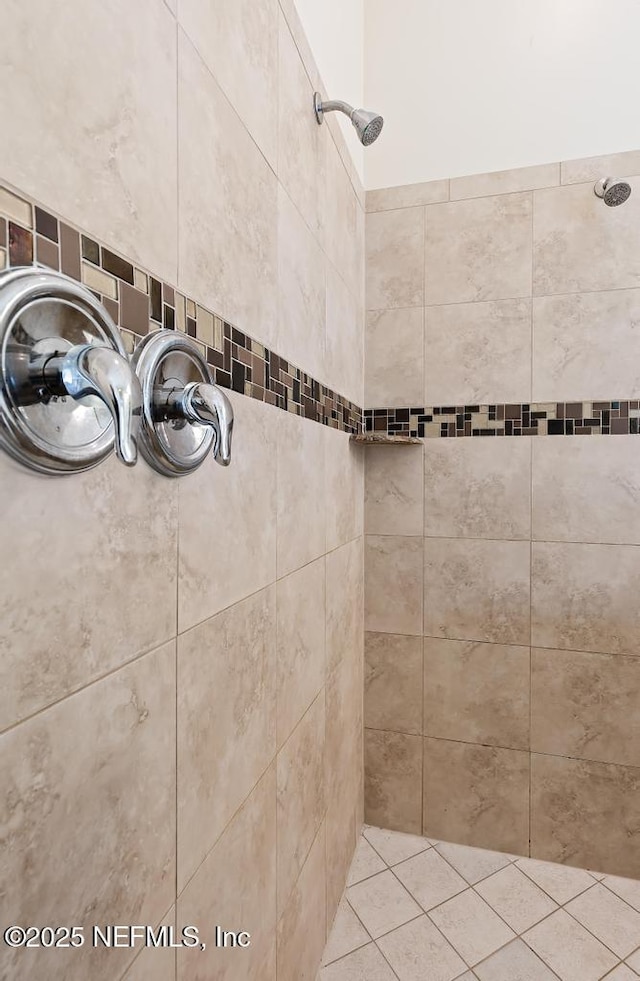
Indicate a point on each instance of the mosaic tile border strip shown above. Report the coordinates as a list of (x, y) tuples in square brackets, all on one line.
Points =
[(516, 419), (139, 302)]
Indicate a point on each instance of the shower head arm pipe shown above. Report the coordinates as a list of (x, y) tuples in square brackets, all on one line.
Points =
[(333, 105)]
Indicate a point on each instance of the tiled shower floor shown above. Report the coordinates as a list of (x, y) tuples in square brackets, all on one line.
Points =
[(420, 910)]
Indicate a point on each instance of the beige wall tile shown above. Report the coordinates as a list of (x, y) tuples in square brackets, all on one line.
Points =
[(393, 361), (239, 44), (585, 814), (300, 645), (344, 488), (476, 693), (477, 590), (234, 270), (478, 488), (227, 519), (155, 964), (89, 784), (367, 963), (303, 926), (407, 195), (393, 780), (344, 338), (478, 250), (301, 142), (301, 290), (300, 797), (395, 258), (345, 604), (585, 706), (226, 720), (342, 831), (393, 682), (505, 181), (109, 533), (393, 576), (478, 353), (99, 136), (476, 795), (301, 492), (586, 345), (593, 168), (583, 597), (343, 223), (580, 245), (394, 490), (235, 887), (586, 490)]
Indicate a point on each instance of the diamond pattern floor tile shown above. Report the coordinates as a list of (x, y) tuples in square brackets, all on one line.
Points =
[(609, 918), (471, 926), (515, 962), (366, 862), (347, 934), (382, 903), (473, 864), (366, 964), (561, 882), (516, 898), (418, 950), (429, 879), (394, 846), (569, 950)]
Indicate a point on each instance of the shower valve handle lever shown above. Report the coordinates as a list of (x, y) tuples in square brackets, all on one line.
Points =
[(208, 405), (88, 369)]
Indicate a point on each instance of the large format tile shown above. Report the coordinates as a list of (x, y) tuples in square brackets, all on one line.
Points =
[(608, 918), (344, 488), (343, 223), (300, 655), (393, 682), (580, 245), (569, 950), (477, 590), (90, 785), (109, 533), (395, 259), (226, 720), (478, 353), (393, 584), (430, 880), (471, 926), (300, 797), (235, 887), (234, 270), (393, 359), (393, 780), (239, 44), (382, 903), (303, 927), (586, 346), (478, 795), (418, 950), (301, 492), (505, 181), (407, 195), (478, 249), (586, 490), (110, 144), (583, 597), (591, 169), (155, 964), (345, 605), (227, 519), (585, 814), (516, 898), (344, 338), (477, 693), (394, 496), (478, 488), (585, 705)]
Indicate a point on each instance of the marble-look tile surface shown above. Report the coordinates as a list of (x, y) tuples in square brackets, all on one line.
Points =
[(395, 846), (572, 952), (478, 488), (399, 380), (347, 934), (608, 918), (234, 270), (344, 338), (345, 605), (561, 882), (430, 880), (407, 195), (591, 169), (393, 584), (586, 345), (474, 864), (344, 488), (343, 223), (516, 898), (366, 964), (477, 693), (95, 776), (505, 181), (471, 926), (477, 590), (301, 492), (395, 259), (382, 903), (302, 927), (583, 597), (478, 795), (478, 249), (394, 481), (155, 964), (584, 705), (580, 245), (226, 720), (393, 780), (366, 862), (393, 682)]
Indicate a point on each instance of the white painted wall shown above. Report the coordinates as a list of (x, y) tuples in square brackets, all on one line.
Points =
[(335, 31), (468, 86)]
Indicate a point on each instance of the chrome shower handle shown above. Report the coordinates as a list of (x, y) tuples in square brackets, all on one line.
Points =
[(207, 404), (88, 369)]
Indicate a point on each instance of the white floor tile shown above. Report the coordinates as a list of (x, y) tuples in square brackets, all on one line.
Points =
[(394, 846), (516, 898), (611, 920), (627, 889), (569, 950), (634, 961), (366, 964), (561, 882), (473, 864), (621, 973), (471, 927), (418, 950), (430, 879), (347, 934), (515, 962), (382, 903), (366, 862)]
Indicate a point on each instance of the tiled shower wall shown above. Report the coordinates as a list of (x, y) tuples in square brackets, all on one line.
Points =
[(182, 660), (502, 574)]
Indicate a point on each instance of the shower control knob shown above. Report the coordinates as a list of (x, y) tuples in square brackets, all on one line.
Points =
[(185, 417)]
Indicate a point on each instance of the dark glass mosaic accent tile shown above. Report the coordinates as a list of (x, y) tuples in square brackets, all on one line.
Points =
[(155, 291), (117, 266), (20, 245), (47, 253), (46, 225), (70, 251), (90, 250), (134, 310), (112, 309), (169, 295), (169, 318), (3, 233)]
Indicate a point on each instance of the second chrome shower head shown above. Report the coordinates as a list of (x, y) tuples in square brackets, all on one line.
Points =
[(367, 125), (613, 191)]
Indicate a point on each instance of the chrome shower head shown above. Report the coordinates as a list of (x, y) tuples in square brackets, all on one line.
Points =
[(613, 191), (367, 125)]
